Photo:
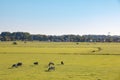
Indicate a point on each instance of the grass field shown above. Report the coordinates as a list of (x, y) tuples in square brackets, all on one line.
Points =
[(85, 61)]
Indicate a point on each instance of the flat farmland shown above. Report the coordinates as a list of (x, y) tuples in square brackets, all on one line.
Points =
[(82, 61)]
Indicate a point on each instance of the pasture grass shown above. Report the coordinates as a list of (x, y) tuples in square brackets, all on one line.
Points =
[(80, 62)]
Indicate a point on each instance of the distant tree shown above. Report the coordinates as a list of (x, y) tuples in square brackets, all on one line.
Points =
[(6, 36), (21, 36), (25, 36)]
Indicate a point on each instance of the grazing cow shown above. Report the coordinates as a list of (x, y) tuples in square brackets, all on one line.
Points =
[(62, 63), (35, 63), (93, 51), (51, 63), (51, 68), (14, 66), (19, 64)]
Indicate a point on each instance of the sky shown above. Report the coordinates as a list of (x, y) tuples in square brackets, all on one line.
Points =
[(59, 17)]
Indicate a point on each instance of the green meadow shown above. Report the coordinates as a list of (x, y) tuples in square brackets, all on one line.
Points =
[(82, 61)]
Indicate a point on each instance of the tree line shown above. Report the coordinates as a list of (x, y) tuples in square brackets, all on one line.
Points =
[(25, 36)]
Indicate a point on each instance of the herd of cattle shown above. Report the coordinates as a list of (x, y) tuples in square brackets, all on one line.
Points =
[(51, 65)]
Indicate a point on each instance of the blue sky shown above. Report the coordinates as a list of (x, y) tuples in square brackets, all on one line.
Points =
[(58, 17)]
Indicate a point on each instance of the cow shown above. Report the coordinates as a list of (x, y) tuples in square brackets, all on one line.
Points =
[(14, 66), (19, 64), (51, 68), (51, 63), (62, 63), (35, 63)]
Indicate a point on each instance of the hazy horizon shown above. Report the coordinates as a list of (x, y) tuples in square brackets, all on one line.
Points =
[(59, 17)]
